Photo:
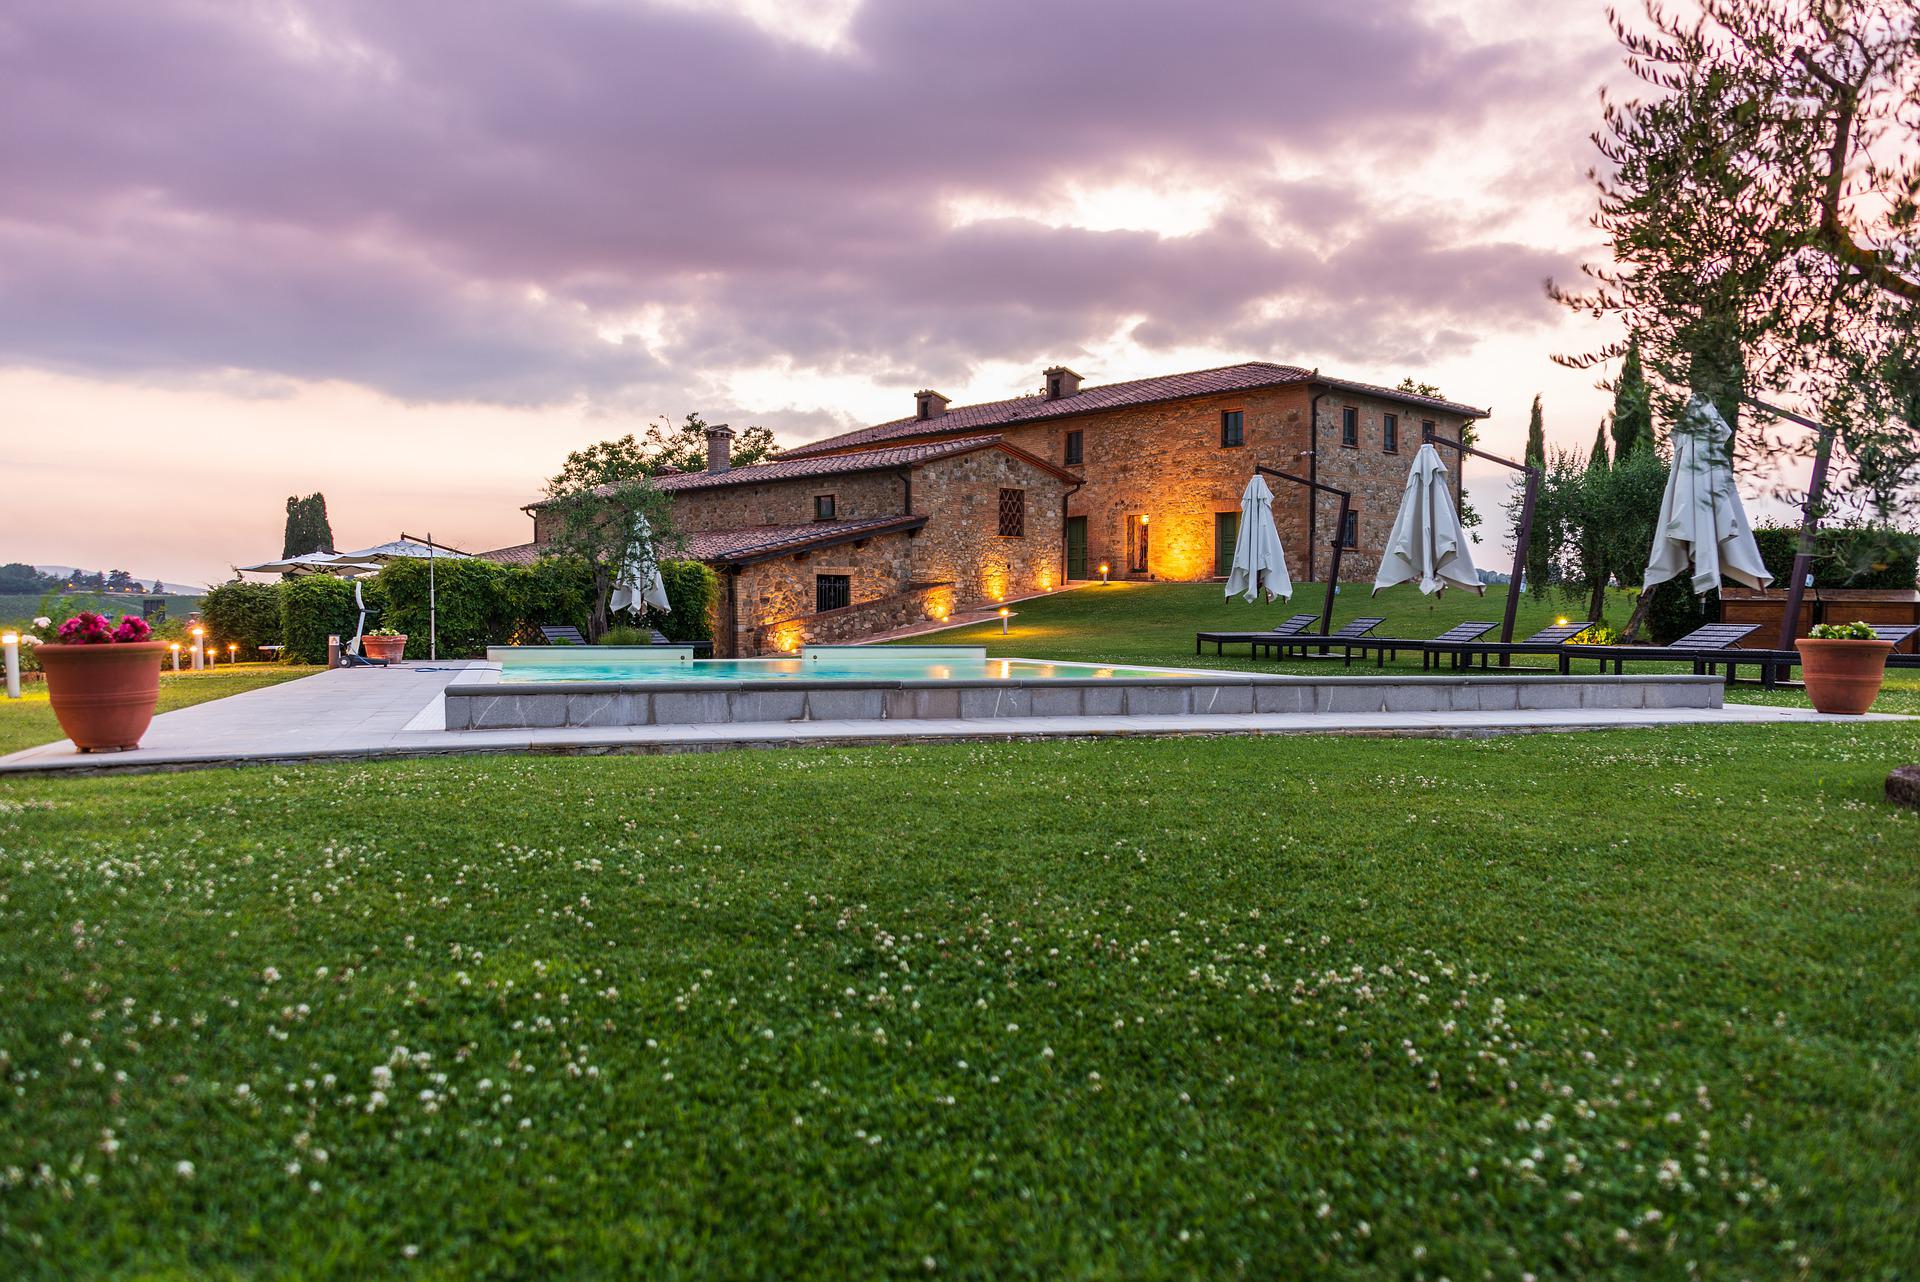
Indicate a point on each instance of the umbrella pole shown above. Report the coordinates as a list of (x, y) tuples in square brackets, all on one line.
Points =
[(1809, 520), (433, 606)]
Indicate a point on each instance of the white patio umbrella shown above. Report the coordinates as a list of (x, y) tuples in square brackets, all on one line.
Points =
[(305, 563), (1702, 523), (399, 550), (639, 582), (1259, 562), (1428, 545)]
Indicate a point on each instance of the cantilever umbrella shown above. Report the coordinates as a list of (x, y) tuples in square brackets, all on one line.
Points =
[(639, 582), (1259, 562), (1428, 545), (1702, 523)]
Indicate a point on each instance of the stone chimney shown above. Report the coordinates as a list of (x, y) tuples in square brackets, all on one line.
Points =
[(719, 448), (929, 404), (1061, 383)]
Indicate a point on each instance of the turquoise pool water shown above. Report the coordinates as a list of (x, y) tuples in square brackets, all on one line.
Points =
[(823, 663)]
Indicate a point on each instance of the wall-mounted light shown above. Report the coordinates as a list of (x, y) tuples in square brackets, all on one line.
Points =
[(10, 644)]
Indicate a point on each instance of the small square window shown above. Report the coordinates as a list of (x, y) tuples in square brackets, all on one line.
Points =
[(1013, 514), (1390, 433), (1349, 427), (1350, 530), (1233, 428), (832, 591), (1426, 430), (823, 507), (1076, 447)]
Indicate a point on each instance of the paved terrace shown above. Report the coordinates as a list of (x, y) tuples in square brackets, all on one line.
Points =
[(350, 714)]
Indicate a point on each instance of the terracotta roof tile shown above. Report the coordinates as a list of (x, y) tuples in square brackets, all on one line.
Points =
[(1140, 391), (744, 542)]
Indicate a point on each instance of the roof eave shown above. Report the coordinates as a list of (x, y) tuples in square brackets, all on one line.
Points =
[(755, 557)]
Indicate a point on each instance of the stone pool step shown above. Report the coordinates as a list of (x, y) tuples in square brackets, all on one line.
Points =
[(484, 703)]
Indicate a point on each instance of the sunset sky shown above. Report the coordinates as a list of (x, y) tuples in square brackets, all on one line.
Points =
[(410, 254)]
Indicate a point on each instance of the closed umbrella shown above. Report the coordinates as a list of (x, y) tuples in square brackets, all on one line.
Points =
[(1428, 546), (1259, 562), (1702, 523), (639, 582)]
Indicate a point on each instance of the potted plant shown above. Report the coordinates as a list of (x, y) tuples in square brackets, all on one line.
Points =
[(1844, 664), (102, 680), (384, 643)]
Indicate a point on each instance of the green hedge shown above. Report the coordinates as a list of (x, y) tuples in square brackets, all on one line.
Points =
[(311, 609), (1845, 556), (692, 588), (246, 613), (481, 603)]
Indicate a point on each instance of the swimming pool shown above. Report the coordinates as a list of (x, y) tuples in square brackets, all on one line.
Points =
[(814, 663)]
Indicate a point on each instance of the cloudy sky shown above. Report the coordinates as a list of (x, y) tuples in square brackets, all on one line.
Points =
[(411, 254)]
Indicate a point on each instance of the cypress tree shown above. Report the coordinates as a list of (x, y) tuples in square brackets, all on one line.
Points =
[(1597, 461), (1539, 554), (1632, 405), (307, 528)]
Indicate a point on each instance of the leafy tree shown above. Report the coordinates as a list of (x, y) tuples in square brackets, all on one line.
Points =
[(683, 447), (17, 577), (1632, 404), (1762, 208), (308, 529), (597, 503), (121, 581)]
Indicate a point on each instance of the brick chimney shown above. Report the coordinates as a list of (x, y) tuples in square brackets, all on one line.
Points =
[(1061, 383), (929, 404), (719, 448)]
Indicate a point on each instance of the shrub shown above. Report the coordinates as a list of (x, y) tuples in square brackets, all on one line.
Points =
[(1844, 556), (624, 635), (481, 603), (1843, 632), (692, 589), (246, 613), (311, 609), (1676, 611)]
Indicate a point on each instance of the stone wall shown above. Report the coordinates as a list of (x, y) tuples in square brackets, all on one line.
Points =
[(857, 496), (918, 603), (784, 589), (962, 543), (1376, 479)]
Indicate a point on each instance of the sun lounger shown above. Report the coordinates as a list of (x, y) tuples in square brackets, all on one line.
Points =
[(562, 635), (1697, 647), (1352, 630), (1296, 624), (1385, 647), (1777, 664), (1461, 654)]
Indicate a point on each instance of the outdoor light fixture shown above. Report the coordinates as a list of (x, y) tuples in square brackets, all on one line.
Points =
[(10, 642), (1005, 614), (175, 647), (199, 647), (1103, 572), (233, 652)]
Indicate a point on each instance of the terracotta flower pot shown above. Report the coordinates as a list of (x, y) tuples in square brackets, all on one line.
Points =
[(1843, 676), (388, 648), (103, 695)]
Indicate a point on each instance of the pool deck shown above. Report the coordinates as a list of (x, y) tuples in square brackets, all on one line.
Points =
[(363, 714)]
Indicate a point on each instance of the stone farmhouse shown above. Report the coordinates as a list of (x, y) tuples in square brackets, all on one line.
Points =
[(955, 507)]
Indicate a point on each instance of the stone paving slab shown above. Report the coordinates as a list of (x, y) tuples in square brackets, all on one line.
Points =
[(358, 714)]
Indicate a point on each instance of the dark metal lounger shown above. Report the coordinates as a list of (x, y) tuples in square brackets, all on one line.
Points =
[(1546, 641), (1777, 664), (1384, 647), (1351, 630), (1294, 624), (1694, 648)]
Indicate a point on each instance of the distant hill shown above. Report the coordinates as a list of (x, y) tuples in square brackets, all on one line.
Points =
[(167, 588)]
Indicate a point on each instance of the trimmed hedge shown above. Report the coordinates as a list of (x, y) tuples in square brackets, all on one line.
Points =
[(245, 613), (1844, 556), (313, 608), (481, 603)]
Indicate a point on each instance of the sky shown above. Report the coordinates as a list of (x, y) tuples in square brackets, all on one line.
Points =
[(412, 254)]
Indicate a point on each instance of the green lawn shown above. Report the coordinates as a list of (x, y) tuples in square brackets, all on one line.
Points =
[(1154, 624), (1628, 1004), (28, 721)]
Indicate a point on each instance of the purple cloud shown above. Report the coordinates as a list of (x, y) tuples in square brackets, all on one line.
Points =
[(450, 202)]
